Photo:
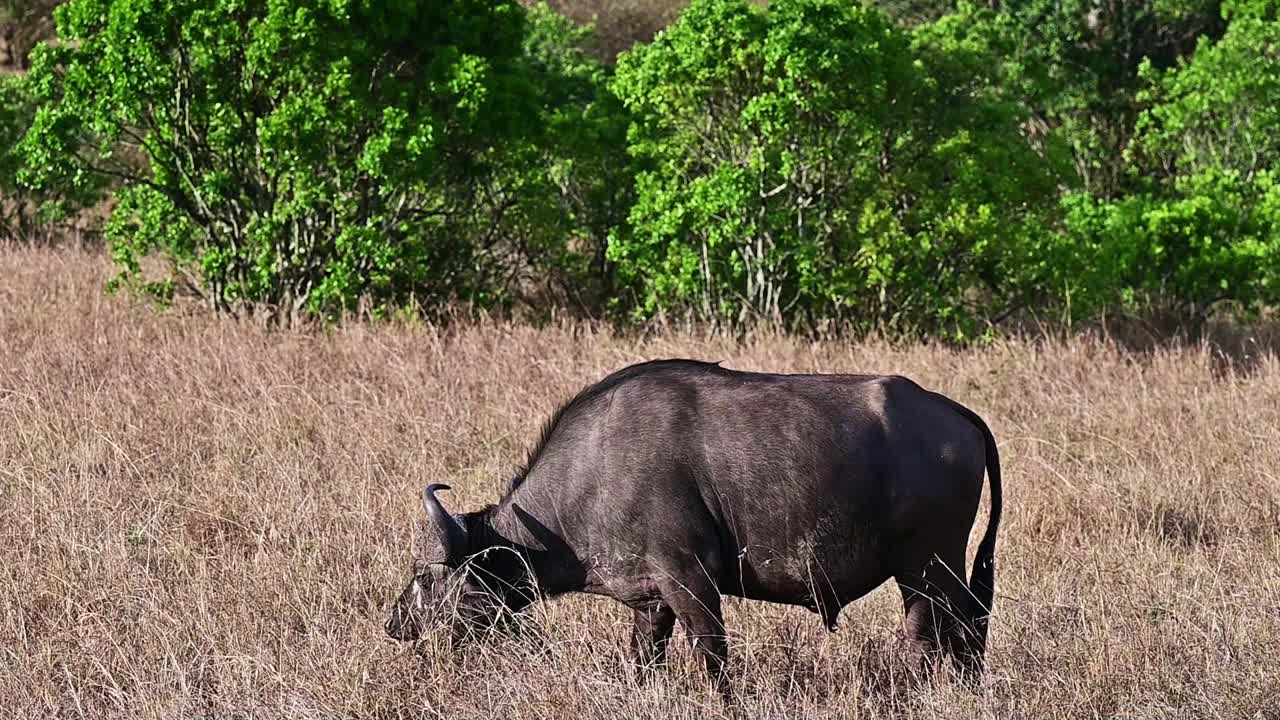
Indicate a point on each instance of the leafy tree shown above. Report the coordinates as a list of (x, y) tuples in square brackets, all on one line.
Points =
[(1080, 64), (812, 161), (354, 173), (15, 115), (1219, 110), (1205, 226), (27, 215), (569, 184)]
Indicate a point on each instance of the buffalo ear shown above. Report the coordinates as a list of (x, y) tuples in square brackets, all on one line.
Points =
[(446, 538)]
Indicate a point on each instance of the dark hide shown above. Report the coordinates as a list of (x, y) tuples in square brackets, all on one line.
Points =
[(671, 483)]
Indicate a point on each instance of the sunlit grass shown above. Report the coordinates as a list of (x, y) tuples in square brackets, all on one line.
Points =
[(201, 518)]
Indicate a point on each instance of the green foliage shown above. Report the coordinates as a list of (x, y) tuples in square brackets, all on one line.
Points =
[(28, 215), (1205, 228), (1218, 111), (16, 110), (570, 183), (351, 173), (812, 161), (1079, 67), (1212, 238), (802, 162)]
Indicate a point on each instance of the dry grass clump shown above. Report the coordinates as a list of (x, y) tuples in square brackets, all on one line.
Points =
[(200, 518)]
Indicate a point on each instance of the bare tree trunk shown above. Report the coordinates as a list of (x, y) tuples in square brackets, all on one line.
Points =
[(8, 37)]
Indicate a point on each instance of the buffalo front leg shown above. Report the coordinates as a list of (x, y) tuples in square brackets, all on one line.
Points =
[(651, 634), (698, 608)]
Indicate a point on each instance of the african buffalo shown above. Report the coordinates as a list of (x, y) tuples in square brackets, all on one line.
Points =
[(671, 483)]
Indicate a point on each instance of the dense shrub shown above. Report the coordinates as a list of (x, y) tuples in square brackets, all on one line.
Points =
[(1080, 70), (567, 185), (800, 162), (357, 171), (28, 215), (812, 161), (1205, 226), (15, 116)]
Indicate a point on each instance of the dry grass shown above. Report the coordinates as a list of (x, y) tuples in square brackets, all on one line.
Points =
[(200, 518)]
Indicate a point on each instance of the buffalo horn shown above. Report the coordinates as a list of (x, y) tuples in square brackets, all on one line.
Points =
[(453, 539)]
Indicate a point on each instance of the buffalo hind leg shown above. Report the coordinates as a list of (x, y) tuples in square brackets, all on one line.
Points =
[(651, 634), (935, 601), (698, 609)]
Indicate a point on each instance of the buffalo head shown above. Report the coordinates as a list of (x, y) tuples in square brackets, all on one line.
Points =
[(446, 591)]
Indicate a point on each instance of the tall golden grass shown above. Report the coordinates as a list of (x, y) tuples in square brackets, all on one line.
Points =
[(200, 518)]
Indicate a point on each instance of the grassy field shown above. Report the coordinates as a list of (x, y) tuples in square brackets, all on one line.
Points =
[(205, 519)]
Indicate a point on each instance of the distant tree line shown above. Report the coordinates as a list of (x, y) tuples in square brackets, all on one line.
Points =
[(913, 167)]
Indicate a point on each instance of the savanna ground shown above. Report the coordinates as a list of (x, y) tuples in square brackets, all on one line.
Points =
[(203, 518)]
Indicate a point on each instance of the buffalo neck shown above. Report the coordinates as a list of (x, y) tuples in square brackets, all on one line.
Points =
[(515, 524)]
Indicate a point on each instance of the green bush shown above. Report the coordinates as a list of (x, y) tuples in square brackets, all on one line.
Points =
[(27, 215), (814, 162), (298, 156), (804, 164), (570, 183), (16, 110), (1205, 227), (1079, 65)]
